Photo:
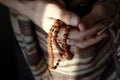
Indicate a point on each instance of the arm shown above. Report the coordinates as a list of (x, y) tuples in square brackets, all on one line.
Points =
[(14, 4), (42, 12)]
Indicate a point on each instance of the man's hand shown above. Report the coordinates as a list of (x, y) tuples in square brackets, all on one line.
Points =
[(93, 22), (87, 38)]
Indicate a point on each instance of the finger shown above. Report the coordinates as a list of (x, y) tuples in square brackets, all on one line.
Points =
[(75, 34), (95, 39), (93, 30), (82, 26), (86, 43)]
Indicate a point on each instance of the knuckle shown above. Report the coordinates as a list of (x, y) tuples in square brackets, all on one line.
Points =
[(99, 7), (82, 46), (66, 16)]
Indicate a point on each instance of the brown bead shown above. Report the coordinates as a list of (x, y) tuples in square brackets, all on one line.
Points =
[(64, 52)]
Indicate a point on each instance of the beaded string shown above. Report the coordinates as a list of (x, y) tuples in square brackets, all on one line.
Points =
[(52, 37)]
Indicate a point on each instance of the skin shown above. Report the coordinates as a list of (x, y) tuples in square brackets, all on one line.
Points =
[(39, 12), (92, 23)]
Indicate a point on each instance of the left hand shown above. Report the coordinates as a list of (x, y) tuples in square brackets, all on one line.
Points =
[(87, 38), (93, 22), (103, 12)]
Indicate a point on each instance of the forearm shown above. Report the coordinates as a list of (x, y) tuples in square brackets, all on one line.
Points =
[(17, 6), (13, 4)]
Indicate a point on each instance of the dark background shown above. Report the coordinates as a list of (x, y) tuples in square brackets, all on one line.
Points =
[(12, 62), (7, 46)]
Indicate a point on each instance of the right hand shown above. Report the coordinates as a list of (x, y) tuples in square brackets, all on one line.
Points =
[(44, 13)]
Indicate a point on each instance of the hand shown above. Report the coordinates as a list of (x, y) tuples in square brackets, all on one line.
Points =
[(43, 12), (103, 12), (94, 21), (87, 38)]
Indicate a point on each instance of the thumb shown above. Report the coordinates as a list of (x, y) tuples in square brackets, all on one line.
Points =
[(87, 21), (70, 18), (97, 14)]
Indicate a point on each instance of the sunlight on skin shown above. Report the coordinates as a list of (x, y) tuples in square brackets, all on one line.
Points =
[(49, 16), (52, 12)]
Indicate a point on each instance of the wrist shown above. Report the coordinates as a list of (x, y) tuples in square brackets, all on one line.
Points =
[(108, 6), (114, 8)]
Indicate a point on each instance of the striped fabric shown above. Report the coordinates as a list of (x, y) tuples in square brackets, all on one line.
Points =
[(25, 36), (95, 65)]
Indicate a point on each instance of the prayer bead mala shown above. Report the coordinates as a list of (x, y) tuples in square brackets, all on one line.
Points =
[(52, 37)]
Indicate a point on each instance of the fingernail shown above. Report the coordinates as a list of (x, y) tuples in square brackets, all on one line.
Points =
[(74, 20), (81, 27), (68, 41)]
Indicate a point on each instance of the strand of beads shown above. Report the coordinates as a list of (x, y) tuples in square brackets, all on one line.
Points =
[(52, 37)]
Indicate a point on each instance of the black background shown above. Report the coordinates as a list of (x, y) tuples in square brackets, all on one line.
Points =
[(7, 46), (13, 65)]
